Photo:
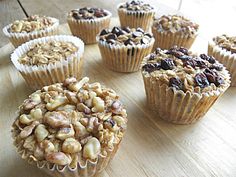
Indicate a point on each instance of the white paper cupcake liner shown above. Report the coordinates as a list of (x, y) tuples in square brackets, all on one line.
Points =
[(123, 58), (166, 40), (135, 19), (89, 169), (38, 76), (19, 38), (88, 29), (176, 106), (227, 58)]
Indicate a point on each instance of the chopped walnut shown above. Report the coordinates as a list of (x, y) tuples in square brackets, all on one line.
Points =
[(226, 42)]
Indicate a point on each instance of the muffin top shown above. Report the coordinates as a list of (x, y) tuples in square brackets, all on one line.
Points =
[(175, 24), (136, 5), (180, 69), (70, 122), (31, 24), (226, 42), (88, 13), (125, 36), (45, 53)]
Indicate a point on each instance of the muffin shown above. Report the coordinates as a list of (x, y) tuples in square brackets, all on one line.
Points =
[(70, 129), (135, 14), (49, 60), (174, 30), (123, 49), (87, 22), (182, 86), (223, 48), (32, 27)]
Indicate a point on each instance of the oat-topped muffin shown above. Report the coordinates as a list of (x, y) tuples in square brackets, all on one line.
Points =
[(174, 30), (30, 24), (181, 86), (32, 27), (136, 14), (125, 36), (87, 22), (49, 52), (88, 13), (75, 126), (49, 60), (223, 48), (123, 49)]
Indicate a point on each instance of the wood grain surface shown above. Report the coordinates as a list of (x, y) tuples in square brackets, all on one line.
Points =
[(151, 147)]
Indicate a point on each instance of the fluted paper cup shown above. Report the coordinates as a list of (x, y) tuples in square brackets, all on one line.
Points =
[(88, 29), (166, 40), (19, 38), (227, 58), (135, 19), (123, 58), (87, 169), (38, 76)]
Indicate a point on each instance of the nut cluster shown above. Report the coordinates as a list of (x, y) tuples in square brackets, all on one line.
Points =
[(49, 52), (175, 24), (226, 42), (180, 69), (88, 13), (125, 36), (136, 5), (30, 24), (70, 122)]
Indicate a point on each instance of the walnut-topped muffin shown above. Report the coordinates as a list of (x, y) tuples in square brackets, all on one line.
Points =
[(87, 22), (32, 27), (170, 30), (180, 79), (70, 125), (123, 49), (223, 48), (136, 13), (49, 52), (49, 60)]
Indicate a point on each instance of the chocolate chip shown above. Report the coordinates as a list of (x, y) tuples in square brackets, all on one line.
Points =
[(150, 67), (167, 64), (176, 83), (152, 56), (219, 81), (111, 36), (115, 30), (218, 67), (104, 32), (137, 34), (127, 29), (128, 42), (201, 80)]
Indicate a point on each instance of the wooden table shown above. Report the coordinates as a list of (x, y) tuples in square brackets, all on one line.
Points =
[(151, 147)]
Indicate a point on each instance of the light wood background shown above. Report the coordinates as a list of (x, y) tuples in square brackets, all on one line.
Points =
[(151, 147)]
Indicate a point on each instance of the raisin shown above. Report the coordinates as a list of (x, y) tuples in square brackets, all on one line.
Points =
[(140, 30), (157, 50), (183, 50), (117, 31), (218, 67), (111, 36), (152, 56), (185, 57), (211, 75), (151, 67), (200, 63), (127, 29), (219, 81), (191, 63), (176, 83), (167, 64), (128, 42), (210, 59), (201, 80), (104, 32)]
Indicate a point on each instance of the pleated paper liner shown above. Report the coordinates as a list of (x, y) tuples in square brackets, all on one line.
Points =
[(166, 40), (19, 38), (86, 29), (38, 76), (176, 106), (143, 19), (227, 58), (123, 58), (87, 169)]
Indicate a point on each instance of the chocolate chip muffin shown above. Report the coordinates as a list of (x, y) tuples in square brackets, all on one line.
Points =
[(87, 22), (182, 86), (32, 27), (223, 48), (136, 14), (72, 128), (123, 49), (173, 30), (49, 60)]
